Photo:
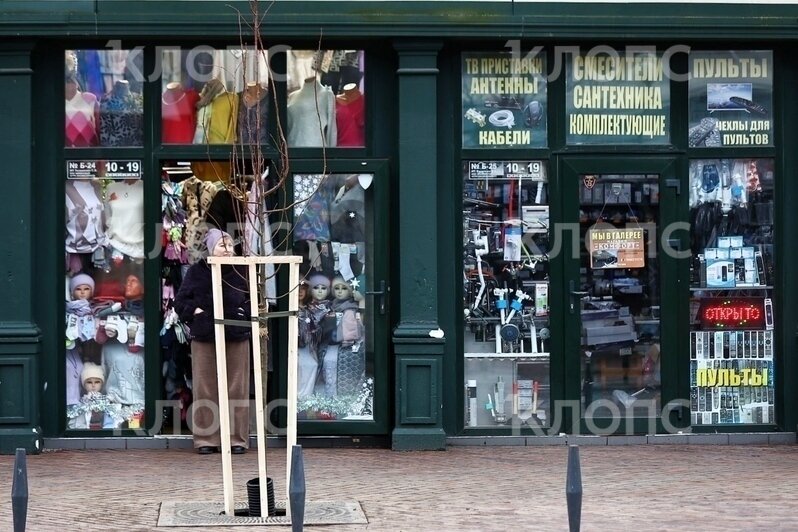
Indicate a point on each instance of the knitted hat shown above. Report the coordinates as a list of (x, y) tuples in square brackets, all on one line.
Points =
[(213, 237), (81, 279), (319, 279), (91, 371)]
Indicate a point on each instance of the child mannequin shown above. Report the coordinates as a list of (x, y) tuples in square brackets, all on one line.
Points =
[(94, 411), (344, 360), (122, 339), (309, 334), (80, 323)]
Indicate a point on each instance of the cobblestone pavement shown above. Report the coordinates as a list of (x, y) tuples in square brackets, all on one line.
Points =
[(653, 487)]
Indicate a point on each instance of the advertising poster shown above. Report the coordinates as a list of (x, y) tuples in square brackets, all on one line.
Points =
[(504, 100), (613, 247), (731, 99), (617, 98)]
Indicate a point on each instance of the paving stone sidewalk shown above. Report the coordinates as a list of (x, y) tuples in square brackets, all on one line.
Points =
[(641, 488)]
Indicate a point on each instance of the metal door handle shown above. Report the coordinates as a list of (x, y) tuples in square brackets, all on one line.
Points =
[(382, 293), (574, 294)]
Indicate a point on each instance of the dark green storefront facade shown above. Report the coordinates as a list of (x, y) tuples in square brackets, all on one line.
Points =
[(435, 338)]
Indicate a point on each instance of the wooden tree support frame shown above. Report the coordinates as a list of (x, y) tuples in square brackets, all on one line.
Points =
[(216, 264)]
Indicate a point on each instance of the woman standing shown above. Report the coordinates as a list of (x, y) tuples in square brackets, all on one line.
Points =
[(194, 305)]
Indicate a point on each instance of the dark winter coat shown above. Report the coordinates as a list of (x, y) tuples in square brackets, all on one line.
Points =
[(196, 291)]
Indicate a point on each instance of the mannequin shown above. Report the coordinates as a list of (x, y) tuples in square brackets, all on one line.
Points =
[(194, 306), (344, 359), (309, 334), (122, 339), (217, 113), (79, 325), (311, 116), (94, 410), (350, 118), (253, 115), (82, 113), (178, 119), (121, 117), (124, 206)]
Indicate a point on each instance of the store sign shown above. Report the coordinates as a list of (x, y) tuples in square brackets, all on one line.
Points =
[(504, 100), (751, 376), (113, 169), (532, 170), (718, 313), (612, 248), (617, 97), (731, 99)]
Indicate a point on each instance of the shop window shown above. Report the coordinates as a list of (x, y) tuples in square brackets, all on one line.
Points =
[(336, 366), (732, 340), (505, 293), (103, 101), (211, 96), (326, 102), (104, 289)]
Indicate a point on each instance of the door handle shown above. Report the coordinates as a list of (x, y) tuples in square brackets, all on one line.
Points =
[(574, 293), (382, 293)]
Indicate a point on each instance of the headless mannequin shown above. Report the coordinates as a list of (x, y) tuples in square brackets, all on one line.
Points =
[(121, 117), (253, 115), (178, 114), (311, 116), (217, 114), (350, 116), (82, 114)]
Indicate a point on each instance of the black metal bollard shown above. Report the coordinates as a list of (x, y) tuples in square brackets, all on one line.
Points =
[(296, 489), (573, 489), (19, 491)]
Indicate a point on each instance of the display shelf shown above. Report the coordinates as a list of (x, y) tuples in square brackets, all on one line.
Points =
[(508, 355)]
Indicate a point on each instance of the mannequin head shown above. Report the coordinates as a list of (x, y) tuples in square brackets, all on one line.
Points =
[(134, 289), (319, 287), (92, 377), (81, 286), (303, 293), (341, 289), (220, 244)]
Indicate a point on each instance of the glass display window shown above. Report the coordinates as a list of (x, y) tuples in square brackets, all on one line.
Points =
[(732, 320), (336, 354), (104, 292), (103, 102), (326, 102), (215, 96), (506, 293)]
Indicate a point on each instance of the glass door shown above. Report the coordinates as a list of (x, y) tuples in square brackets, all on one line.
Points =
[(340, 229), (622, 289)]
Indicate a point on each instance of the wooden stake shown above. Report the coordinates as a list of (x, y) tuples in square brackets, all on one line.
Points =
[(259, 391), (224, 405)]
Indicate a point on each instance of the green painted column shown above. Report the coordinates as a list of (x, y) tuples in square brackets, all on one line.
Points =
[(418, 355), (19, 336)]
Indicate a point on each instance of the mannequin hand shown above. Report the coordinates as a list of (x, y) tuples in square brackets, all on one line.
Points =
[(198, 311), (110, 330)]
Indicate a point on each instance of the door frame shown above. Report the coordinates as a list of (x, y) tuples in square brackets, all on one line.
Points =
[(674, 276)]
